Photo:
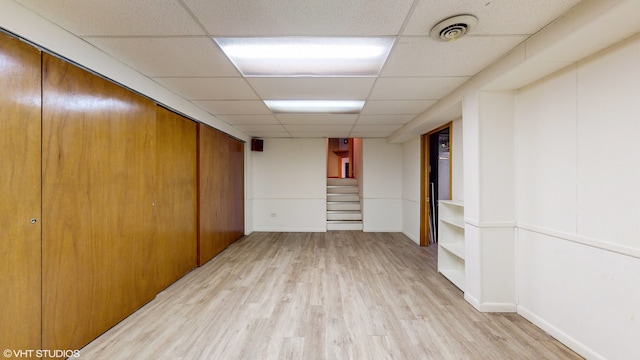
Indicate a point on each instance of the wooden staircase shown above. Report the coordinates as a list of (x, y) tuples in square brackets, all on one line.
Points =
[(343, 204)]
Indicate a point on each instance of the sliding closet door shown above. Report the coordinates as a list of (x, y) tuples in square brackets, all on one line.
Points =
[(98, 204), (220, 191), (236, 174), (20, 221), (213, 153), (176, 236)]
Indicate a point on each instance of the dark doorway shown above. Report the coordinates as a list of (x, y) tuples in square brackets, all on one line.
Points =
[(435, 180), (439, 174)]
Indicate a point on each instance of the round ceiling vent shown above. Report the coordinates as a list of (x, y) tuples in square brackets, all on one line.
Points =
[(454, 27)]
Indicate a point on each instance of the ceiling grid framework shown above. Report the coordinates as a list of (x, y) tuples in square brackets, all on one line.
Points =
[(171, 42)]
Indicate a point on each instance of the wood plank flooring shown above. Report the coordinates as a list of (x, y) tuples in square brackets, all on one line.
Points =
[(334, 295)]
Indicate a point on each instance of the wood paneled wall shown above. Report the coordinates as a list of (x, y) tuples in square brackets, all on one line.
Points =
[(20, 195), (176, 236), (110, 179), (220, 192), (236, 187), (99, 222)]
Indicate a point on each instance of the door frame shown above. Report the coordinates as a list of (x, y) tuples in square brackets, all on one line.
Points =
[(424, 179)]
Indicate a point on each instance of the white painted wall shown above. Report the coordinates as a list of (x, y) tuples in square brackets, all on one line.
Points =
[(381, 185), (471, 170), (489, 170), (411, 189), (357, 167), (289, 181), (578, 202), (497, 174)]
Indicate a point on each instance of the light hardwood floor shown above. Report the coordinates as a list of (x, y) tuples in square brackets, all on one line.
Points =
[(334, 295)]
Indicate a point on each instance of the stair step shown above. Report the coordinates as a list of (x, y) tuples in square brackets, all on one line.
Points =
[(342, 181), (343, 197), (344, 215), (344, 225), (343, 205), (339, 189)]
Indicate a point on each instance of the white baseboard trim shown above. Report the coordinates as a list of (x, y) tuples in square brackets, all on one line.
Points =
[(473, 301), (490, 307), (366, 229), (414, 239), (560, 335), (498, 307)]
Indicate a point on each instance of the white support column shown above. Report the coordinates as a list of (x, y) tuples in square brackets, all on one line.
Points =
[(489, 188)]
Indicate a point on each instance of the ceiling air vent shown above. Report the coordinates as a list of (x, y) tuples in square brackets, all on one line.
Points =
[(454, 27)]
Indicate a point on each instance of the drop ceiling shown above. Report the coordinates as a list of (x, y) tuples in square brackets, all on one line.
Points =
[(171, 42)]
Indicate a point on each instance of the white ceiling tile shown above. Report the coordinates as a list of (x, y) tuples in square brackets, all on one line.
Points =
[(376, 128), (320, 134), (373, 130), (162, 40), (495, 17), (370, 134), (318, 128), (309, 88), (423, 56), (208, 88), (248, 119), (396, 107), (118, 17), (302, 17), (175, 56), (303, 119), (268, 134), (414, 88), (260, 128), (384, 119), (240, 107)]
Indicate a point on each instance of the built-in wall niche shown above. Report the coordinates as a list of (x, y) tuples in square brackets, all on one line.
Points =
[(451, 243)]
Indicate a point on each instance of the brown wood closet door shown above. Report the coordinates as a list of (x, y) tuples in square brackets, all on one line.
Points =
[(20, 193), (213, 190), (237, 184), (176, 240), (98, 204)]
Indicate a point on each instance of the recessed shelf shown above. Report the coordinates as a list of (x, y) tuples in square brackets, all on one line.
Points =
[(451, 244), (455, 276), (453, 222), (452, 203), (455, 249)]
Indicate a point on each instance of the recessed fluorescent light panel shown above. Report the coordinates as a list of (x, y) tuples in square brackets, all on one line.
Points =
[(307, 56), (315, 106)]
